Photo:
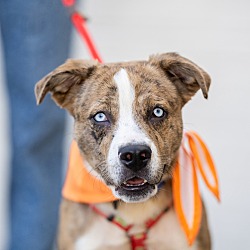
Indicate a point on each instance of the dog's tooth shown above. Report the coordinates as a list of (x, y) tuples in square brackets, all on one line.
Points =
[(127, 184), (143, 183), (131, 185)]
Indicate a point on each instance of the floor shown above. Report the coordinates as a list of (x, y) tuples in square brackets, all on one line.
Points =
[(214, 34)]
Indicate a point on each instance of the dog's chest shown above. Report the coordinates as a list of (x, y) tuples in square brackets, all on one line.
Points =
[(165, 235)]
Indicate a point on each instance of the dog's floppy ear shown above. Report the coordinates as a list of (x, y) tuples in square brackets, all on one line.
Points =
[(64, 82), (186, 75)]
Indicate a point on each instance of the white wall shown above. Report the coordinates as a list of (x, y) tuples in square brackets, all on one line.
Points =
[(215, 35)]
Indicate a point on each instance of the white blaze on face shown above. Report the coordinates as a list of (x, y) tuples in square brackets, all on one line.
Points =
[(127, 132), (126, 95)]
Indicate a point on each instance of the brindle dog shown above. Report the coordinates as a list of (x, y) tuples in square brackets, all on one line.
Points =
[(128, 127)]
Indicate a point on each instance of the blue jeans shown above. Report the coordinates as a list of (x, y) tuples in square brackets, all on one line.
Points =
[(36, 35)]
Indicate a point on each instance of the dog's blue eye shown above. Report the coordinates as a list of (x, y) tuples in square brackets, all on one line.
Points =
[(158, 112), (100, 117)]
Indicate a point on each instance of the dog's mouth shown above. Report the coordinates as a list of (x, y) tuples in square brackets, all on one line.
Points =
[(135, 184), (135, 189)]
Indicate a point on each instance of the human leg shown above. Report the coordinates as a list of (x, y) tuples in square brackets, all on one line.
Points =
[(36, 38)]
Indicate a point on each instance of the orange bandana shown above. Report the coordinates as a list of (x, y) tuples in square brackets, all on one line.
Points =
[(81, 186)]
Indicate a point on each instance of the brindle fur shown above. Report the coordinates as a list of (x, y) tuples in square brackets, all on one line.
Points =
[(87, 87)]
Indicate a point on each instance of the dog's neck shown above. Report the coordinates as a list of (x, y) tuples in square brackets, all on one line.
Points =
[(139, 213)]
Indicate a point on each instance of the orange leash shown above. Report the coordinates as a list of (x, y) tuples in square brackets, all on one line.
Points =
[(193, 156), (79, 23)]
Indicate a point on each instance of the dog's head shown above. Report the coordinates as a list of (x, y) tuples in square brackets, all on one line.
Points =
[(128, 122)]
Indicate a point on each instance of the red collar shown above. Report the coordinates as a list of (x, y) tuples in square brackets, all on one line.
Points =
[(138, 241)]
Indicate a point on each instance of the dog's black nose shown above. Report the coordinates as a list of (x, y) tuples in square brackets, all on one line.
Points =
[(135, 157)]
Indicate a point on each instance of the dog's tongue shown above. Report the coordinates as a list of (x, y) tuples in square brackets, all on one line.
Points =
[(135, 181)]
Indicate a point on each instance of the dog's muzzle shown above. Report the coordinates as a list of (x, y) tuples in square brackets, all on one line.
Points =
[(135, 158)]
